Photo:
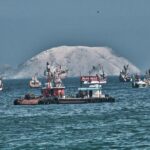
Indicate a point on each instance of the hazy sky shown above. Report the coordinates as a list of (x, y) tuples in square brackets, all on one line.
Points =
[(28, 27)]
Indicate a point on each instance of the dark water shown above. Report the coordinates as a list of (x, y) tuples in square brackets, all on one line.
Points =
[(124, 124)]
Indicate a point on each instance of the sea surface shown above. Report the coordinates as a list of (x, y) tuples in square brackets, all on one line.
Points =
[(124, 124)]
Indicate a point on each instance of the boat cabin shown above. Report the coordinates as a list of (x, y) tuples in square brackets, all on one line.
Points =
[(93, 91), (89, 78)]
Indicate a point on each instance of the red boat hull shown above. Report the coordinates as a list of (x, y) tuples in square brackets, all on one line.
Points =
[(55, 100)]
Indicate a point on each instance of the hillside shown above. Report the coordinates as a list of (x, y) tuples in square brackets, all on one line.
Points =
[(78, 59)]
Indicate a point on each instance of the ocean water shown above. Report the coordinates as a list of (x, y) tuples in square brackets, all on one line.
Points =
[(124, 124)]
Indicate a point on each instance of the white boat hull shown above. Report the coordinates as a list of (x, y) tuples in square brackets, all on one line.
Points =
[(139, 84), (94, 82), (35, 85)]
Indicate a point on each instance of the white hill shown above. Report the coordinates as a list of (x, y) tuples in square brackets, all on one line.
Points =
[(77, 59)]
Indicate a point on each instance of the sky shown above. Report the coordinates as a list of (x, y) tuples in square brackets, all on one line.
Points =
[(28, 27)]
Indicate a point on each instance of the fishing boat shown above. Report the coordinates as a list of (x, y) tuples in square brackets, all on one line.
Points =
[(1, 85), (34, 83), (138, 82), (93, 80), (99, 78), (54, 92), (147, 77), (92, 94), (124, 74)]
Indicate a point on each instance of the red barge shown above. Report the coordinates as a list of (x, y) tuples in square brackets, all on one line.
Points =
[(85, 95)]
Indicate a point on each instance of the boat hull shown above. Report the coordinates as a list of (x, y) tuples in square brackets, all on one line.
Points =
[(123, 79), (55, 100), (1, 87), (139, 85), (98, 82), (34, 85)]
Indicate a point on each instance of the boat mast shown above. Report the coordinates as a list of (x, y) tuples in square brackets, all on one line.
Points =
[(54, 78)]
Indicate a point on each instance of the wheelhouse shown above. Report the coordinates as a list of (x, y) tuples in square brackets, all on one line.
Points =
[(93, 91)]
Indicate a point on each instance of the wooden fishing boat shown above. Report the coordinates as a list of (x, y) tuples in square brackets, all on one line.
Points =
[(147, 77), (35, 83), (138, 82), (98, 78), (124, 74)]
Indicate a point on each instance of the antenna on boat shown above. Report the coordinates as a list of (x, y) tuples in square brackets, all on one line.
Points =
[(80, 79)]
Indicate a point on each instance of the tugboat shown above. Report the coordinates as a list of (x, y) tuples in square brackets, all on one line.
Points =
[(124, 74), (35, 83), (1, 84), (54, 92), (138, 83), (99, 78)]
